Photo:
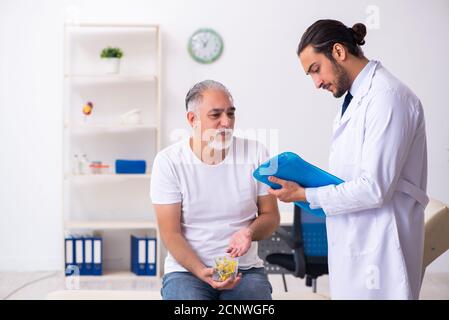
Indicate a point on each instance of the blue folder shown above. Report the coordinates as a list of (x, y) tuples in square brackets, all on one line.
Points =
[(151, 256), (79, 253), (88, 255), (70, 265), (290, 166), (139, 255), (97, 258), (143, 255)]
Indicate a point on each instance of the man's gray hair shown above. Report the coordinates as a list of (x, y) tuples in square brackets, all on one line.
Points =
[(195, 94)]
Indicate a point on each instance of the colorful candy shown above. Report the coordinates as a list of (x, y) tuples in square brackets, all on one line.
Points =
[(225, 267)]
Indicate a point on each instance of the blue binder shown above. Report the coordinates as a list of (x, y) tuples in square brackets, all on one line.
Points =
[(81, 257), (138, 255), (97, 258), (290, 166), (69, 256), (151, 257), (143, 256), (79, 253), (88, 255)]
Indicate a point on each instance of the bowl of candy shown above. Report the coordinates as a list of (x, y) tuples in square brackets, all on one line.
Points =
[(225, 267)]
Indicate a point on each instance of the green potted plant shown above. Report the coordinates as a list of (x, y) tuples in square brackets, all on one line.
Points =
[(112, 58)]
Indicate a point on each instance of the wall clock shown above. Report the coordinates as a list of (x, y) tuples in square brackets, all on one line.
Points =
[(205, 46)]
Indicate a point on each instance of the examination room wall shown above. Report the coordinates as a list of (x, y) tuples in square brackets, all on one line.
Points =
[(259, 65)]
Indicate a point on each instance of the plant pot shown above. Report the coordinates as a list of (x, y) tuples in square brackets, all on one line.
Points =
[(112, 65)]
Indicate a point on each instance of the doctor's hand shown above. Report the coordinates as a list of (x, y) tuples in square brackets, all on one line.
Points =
[(240, 242), (290, 192), (206, 274)]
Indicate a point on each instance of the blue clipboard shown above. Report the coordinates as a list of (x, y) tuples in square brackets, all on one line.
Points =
[(290, 166)]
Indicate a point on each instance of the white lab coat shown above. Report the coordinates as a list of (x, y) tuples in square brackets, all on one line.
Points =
[(375, 220)]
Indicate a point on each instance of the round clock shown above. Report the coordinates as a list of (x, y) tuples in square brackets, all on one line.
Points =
[(205, 45)]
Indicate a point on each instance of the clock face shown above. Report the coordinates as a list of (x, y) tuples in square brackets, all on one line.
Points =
[(205, 46)]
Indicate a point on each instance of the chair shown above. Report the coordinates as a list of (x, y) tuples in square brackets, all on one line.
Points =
[(302, 251), (436, 240)]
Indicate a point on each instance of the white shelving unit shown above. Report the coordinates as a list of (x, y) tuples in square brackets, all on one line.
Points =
[(111, 205)]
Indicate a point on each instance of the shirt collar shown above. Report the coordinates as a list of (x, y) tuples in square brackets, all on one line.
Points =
[(356, 84)]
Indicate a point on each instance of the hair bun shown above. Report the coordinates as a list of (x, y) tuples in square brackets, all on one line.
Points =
[(359, 31)]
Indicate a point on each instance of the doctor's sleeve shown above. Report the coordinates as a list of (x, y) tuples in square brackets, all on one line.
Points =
[(390, 127), (164, 187)]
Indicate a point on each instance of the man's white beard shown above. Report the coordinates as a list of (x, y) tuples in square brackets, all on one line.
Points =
[(219, 142)]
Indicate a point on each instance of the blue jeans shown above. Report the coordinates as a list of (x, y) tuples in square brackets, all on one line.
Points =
[(254, 285)]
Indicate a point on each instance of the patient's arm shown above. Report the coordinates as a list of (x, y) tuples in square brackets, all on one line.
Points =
[(262, 227), (169, 221)]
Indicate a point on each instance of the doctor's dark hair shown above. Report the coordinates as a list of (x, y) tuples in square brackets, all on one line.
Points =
[(195, 94), (323, 34)]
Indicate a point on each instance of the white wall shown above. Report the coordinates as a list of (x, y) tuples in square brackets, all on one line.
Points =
[(259, 65)]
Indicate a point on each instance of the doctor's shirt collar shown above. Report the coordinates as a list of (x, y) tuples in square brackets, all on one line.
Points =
[(361, 77)]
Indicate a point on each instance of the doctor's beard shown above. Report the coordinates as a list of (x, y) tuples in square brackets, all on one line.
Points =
[(221, 139), (342, 80)]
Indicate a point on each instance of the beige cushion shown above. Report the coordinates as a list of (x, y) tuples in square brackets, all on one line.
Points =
[(437, 231), (302, 295)]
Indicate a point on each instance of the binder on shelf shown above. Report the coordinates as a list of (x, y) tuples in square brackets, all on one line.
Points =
[(97, 258), (88, 255), (143, 256), (138, 255), (79, 254), (83, 255), (151, 256), (69, 256)]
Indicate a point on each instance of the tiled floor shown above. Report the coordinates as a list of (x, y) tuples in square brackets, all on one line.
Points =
[(36, 285)]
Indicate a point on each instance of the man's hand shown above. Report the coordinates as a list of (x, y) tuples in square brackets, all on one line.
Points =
[(240, 242), (206, 274), (290, 192)]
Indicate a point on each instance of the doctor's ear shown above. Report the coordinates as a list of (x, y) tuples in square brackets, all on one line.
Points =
[(339, 52), (192, 118)]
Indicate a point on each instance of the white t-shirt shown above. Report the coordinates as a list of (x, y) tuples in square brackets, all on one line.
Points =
[(217, 200)]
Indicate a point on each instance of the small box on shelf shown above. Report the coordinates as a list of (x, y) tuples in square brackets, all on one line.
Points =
[(130, 166)]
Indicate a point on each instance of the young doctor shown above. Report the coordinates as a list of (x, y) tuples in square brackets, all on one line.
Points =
[(375, 219)]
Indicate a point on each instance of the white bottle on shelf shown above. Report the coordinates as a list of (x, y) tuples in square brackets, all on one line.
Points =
[(76, 165), (84, 165)]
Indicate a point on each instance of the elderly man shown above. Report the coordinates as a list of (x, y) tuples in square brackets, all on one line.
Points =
[(208, 205)]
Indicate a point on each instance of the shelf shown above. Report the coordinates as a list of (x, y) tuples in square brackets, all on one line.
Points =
[(107, 176), (110, 225), (94, 128), (100, 203), (119, 275), (111, 25), (110, 78)]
